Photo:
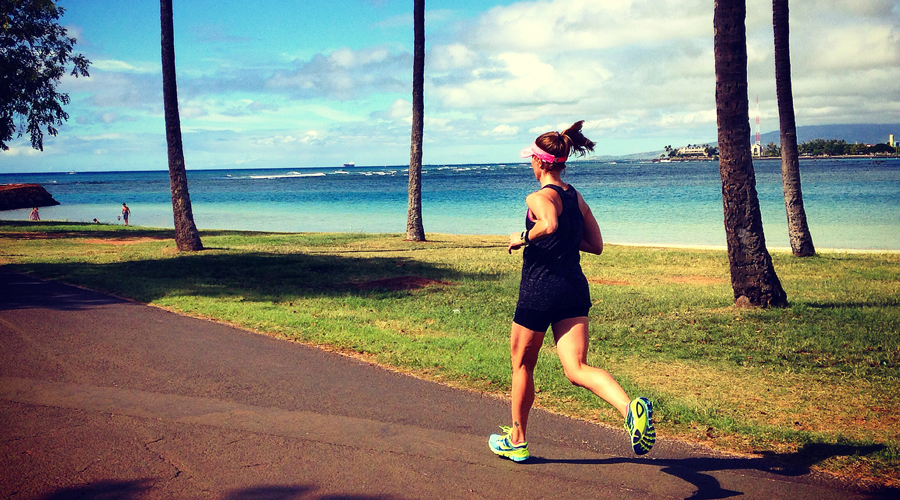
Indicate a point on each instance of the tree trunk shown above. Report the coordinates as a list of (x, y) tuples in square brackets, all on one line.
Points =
[(186, 236), (414, 229), (753, 277), (798, 230)]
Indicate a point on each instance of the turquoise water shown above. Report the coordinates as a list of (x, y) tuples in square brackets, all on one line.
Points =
[(851, 204)]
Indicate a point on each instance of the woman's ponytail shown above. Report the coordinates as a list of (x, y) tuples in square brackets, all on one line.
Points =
[(562, 145), (579, 143)]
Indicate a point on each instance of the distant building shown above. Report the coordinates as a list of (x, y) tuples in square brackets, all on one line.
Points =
[(692, 151), (756, 150)]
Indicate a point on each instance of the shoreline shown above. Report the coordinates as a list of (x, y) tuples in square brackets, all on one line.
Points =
[(770, 158), (770, 249)]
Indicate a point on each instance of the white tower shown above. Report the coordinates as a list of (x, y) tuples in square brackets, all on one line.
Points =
[(757, 121), (756, 148)]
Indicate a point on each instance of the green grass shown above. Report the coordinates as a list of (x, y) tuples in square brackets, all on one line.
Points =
[(815, 383)]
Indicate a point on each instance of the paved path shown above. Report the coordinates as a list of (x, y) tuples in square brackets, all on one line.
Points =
[(106, 398)]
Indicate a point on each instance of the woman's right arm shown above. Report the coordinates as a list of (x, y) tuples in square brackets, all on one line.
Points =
[(592, 240)]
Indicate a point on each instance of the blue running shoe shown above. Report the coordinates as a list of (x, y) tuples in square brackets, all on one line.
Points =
[(639, 424), (501, 445)]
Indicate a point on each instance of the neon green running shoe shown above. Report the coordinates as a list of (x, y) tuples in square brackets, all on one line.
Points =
[(639, 424), (501, 445)]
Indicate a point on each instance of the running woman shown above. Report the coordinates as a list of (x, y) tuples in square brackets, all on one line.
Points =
[(554, 292)]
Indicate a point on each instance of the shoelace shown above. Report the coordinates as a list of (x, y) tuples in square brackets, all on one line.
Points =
[(506, 430)]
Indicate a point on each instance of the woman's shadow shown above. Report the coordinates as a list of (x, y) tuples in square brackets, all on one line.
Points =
[(691, 470)]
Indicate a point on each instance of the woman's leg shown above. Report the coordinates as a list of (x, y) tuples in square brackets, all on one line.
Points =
[(525, 346), (571, 345)]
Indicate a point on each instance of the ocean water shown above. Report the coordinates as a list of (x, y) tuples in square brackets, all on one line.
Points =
[(850, 204)]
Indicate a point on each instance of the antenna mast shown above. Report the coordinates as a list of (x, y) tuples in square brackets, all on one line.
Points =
[(757, 120)]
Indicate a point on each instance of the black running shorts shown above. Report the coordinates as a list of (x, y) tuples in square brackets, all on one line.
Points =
[(539, 321)]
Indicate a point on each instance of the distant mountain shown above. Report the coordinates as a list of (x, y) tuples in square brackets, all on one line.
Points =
[(862, 133), (867, 133), (649, 155)]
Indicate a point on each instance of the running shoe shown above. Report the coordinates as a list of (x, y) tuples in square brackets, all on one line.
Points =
[(639, 424), (501, 445)]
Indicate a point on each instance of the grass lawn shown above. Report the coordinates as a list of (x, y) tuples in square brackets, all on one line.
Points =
[(816, 383)]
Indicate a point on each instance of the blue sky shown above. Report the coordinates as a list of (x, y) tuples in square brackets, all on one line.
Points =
[(272, 83)]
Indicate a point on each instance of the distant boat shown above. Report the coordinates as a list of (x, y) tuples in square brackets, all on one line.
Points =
[(351, 164)]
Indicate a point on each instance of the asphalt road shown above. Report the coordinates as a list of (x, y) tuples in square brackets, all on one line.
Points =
[(104, 398)]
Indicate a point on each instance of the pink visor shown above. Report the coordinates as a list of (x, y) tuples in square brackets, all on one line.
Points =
[(534, 150)]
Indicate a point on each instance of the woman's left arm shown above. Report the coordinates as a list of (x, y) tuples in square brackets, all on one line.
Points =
[(591, 240), (544, 212)]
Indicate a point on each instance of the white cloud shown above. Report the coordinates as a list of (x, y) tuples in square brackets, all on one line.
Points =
[(450, 57), (640, 69), (111, 65), (567, 26), (24, 150), (604, 123), (845, 60), (703, 117), (435, 124), (603, 61), (117, 90), (102, 137), (189, 112), (346, 74), (399, 111), (640, 72), (540, 129), (298, 137), (504, 129), (857, 48)]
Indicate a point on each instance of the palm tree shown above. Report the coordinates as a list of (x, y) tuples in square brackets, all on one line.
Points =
[(753, 277), (798, 230), (186, 236), (414, 229)]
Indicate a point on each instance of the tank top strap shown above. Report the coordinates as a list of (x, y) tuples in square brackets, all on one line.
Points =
[(564, 194), (554, 187)]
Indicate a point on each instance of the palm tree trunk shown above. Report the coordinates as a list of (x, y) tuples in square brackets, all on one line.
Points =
[(798, 230), (187, 239), (414, 228), (753, 277)]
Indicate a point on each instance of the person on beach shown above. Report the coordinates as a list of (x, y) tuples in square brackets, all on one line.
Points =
[(553, 291), (35, 215), (126, 213)]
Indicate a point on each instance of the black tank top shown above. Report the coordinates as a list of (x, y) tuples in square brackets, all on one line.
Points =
[(551, 266)]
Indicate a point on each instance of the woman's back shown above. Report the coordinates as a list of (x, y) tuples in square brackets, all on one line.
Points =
[(551, 267)]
